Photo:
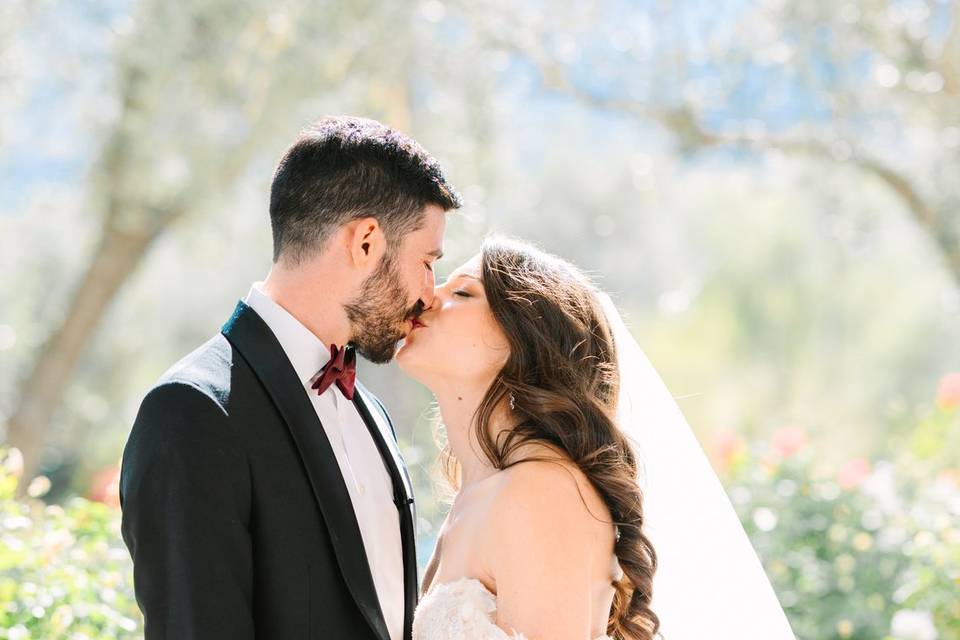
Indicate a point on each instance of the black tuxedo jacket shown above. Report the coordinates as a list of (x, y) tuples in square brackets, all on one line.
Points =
[(234, 509)]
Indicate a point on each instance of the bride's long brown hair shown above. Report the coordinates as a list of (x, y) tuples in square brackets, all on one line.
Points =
[(562, 372)]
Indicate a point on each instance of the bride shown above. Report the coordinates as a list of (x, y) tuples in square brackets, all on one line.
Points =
[(549, 535), (515, 349)]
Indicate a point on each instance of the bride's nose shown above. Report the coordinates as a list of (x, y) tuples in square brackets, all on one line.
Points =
[(436, 300)]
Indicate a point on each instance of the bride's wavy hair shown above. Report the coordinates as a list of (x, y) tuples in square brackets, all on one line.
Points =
[(562, 372)]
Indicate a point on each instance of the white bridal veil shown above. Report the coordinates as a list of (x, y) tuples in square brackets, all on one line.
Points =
[(709, 582)]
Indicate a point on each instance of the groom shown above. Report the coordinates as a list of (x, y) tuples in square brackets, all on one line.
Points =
[(262, 488)]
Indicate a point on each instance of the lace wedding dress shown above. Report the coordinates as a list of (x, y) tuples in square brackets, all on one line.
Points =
[(460, 610)]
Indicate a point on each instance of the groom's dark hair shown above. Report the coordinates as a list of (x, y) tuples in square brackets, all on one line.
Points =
[(342, 168)]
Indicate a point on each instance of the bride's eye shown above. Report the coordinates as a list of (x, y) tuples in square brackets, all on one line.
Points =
[(460, 292)]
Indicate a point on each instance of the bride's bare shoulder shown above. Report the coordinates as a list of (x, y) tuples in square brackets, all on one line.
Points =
[(548, 539), (548, 494)]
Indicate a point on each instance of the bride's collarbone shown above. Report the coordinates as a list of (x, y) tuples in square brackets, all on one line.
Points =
[(463, 549), (460, 557), (460, 549)]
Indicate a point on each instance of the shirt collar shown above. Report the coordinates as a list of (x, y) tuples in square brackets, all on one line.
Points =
[(303, 348)]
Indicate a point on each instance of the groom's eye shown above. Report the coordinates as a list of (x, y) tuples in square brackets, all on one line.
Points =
[(428, 266)]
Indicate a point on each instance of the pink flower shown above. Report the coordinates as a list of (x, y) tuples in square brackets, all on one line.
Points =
[(786, 441), (853, 472), (726, 447), (948, 391), (951, 476)]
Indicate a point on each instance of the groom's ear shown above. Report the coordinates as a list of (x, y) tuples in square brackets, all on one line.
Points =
[(367, 243)]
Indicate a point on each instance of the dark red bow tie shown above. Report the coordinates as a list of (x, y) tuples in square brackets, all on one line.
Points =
[(341, 368)]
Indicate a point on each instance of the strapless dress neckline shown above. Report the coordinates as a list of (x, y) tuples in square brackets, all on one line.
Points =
[(462, 609)]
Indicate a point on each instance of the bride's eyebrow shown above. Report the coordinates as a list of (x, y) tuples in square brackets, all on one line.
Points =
[(461, 275)]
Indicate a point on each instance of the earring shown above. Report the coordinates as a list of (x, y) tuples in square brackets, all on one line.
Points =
[(513, 401)]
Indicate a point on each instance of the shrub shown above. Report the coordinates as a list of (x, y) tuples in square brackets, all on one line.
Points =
[(869, 550), (64, 570)]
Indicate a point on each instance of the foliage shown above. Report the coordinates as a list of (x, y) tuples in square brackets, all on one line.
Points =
[(64, 571)]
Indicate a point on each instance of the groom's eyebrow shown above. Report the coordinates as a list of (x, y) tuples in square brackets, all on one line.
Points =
[(437, 253)]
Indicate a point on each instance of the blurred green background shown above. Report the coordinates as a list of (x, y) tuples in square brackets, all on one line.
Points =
[(771, 191)]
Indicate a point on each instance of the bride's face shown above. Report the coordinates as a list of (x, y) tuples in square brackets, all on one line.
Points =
[(456, 340)]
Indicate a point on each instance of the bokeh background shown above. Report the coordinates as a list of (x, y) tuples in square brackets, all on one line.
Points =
[(770, 189)]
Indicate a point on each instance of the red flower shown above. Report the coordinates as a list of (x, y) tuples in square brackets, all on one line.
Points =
[(105, 487)]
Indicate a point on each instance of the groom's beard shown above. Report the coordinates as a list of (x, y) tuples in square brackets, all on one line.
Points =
[(378, 312)]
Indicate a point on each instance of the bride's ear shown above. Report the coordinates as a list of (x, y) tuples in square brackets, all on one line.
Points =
[(366, 243)]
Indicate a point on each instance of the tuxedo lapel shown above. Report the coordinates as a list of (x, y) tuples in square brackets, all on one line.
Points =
[(254, 340), (385, 440)]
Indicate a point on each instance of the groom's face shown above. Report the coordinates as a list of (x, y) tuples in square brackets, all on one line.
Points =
[(397, 291)]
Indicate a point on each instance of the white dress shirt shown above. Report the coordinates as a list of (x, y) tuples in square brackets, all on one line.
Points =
[(363, 470)]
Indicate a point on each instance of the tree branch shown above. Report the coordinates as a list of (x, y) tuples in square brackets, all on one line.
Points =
[(683, 123)]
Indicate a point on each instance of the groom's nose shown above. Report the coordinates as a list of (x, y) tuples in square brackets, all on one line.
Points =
[(427, 293), (427, 296)]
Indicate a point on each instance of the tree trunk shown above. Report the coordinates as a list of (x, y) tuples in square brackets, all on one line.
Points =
[(116, 258)]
